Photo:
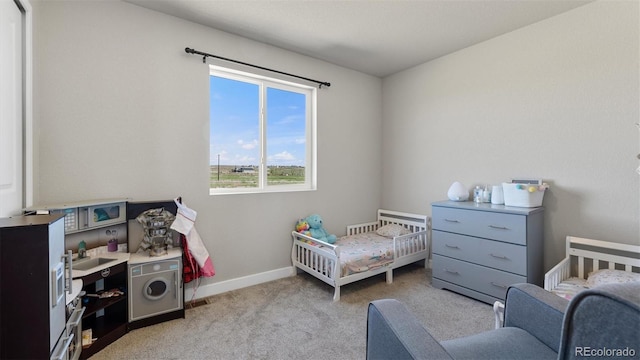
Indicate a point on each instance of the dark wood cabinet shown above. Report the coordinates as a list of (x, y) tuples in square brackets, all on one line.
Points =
[(106, 317)]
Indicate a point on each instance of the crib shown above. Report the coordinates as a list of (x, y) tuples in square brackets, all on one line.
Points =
[(585, 256), (327, 261)]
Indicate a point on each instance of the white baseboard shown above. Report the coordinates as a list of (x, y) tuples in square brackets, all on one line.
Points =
[(204, 291)]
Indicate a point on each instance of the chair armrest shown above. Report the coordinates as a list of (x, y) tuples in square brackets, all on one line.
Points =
[(536, 311), (394, 333), (604, 317)]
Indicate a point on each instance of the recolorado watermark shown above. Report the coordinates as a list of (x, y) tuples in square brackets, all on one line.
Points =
[(587, 351)]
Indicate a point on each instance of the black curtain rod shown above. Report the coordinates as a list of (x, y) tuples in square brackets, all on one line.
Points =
[(205, 56)]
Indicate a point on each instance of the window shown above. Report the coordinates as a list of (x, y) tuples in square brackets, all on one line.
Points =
[(262, 133)]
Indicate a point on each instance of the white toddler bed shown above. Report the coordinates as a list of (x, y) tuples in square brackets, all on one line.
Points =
[(365, 251), (587, 263)]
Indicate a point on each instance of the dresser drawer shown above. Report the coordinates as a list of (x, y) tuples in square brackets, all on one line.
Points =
[(479, 278), (489, 225), (494, 254)]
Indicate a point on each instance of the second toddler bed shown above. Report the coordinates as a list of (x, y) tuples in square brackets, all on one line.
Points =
[(394, 240), (589, 263)]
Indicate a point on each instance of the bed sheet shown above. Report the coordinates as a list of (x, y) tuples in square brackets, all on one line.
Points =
[(568, 288), (364, 252)]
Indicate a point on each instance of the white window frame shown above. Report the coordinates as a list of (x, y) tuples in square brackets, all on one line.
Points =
[(310, 183)]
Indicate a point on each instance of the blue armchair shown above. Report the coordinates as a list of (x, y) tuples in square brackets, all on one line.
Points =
[(603, 322)]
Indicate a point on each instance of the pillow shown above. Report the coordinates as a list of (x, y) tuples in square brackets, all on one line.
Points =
[(608, 276), (392, 230)]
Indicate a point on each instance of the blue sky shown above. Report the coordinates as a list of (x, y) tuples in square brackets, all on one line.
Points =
[(234, 119)]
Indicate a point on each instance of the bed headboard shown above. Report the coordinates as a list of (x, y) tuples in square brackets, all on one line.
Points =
[(589, 255), (413, 222)]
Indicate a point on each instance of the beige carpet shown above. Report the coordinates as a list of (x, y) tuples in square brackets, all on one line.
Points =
[(295, 318)]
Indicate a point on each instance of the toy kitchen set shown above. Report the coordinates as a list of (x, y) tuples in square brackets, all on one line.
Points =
[(126, 266)]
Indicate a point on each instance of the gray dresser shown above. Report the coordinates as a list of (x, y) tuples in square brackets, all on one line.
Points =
[(479, 250)]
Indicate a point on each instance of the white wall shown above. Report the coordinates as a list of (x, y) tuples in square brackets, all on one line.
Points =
[(557, 100), (122, 111)]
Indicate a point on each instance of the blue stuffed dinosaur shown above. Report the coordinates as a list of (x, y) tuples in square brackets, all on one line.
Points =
[(317, 231)]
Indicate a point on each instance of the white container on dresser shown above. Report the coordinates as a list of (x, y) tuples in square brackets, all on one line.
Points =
[(481, 249)]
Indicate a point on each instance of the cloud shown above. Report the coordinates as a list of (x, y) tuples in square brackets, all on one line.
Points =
[(245, 160), (282, 157), (223, 155), (248, 146)]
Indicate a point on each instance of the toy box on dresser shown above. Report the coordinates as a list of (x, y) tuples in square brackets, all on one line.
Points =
[(481, 249)]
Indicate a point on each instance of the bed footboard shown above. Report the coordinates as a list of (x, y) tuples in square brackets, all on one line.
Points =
[(316, 257)]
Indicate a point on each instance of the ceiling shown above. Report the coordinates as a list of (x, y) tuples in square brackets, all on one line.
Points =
[(375, 37)]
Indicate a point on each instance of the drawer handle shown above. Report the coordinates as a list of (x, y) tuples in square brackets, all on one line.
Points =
[(451, 246), (451, 220), (499, 257), (499, 227), (452, 272), (499, 285)]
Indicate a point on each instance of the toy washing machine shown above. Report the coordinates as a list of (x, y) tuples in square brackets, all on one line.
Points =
[(155, 288)]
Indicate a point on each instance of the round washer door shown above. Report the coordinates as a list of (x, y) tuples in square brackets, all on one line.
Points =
[(155, 289)]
